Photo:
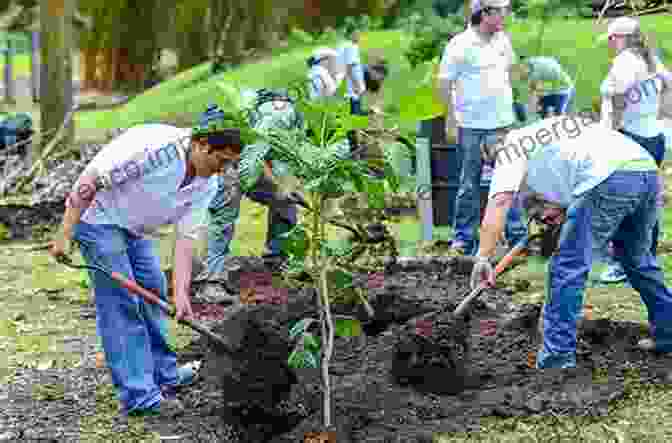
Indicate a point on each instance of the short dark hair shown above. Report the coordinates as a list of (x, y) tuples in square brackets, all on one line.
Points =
[(477, 17), (225, 138)]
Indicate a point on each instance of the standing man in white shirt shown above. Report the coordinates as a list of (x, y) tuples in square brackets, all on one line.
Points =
[(477, 64)]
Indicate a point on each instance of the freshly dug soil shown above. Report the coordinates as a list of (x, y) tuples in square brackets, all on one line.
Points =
[(369, 405)]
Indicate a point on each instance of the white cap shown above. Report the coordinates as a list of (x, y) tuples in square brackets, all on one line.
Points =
[(479, 5), (622, 25), (321, 53)]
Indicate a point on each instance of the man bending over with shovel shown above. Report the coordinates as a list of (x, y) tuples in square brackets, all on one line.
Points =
[(597, 195), (150, 175)]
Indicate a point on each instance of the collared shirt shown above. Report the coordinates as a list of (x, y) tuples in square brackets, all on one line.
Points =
[(320, 81), (349, 55), (567, 165), (141, 172), (629, 75), (480, 68)]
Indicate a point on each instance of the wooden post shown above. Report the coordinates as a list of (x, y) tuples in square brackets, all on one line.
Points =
[(424, 179), (35, 66)]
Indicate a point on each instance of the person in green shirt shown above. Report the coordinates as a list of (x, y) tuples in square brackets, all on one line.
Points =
[(546, 77)]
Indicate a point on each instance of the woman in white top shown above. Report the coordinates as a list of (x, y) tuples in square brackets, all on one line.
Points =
[(631, 99), (321, 76)]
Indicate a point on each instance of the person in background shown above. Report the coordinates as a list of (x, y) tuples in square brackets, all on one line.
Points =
[(478, 62), (548, 83), (631, 100), (273, 109), (594, 195), (354, 70), (172, 182), (322, 72)]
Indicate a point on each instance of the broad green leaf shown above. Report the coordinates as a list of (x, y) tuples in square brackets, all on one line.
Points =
[(311, 360), (310, 342), (341, 278), (347, 327), (300, 327), (296, 242), (295, 359), (252, 163)]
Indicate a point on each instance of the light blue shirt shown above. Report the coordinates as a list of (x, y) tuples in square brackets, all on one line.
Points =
[(140, 173), (568, 165)]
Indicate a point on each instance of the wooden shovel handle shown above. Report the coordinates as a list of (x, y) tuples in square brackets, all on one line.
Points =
[(168, 309)]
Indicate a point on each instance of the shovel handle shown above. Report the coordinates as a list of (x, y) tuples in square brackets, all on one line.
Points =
[(168, 309)]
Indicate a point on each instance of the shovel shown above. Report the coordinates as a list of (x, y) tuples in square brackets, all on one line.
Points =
[(502, 267), (150, 297)]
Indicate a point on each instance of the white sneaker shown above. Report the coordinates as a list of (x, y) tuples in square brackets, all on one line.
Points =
[(646, 345)]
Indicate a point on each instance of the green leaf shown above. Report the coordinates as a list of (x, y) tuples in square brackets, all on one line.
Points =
[(341, 278), (421, 104), (296, 242), (300, 327), (347, 327), (311, 360), (252, 164), (310, 342), (375, 190)]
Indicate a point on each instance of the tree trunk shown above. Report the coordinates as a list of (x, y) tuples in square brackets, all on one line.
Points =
[(9, 73), (56, 98)]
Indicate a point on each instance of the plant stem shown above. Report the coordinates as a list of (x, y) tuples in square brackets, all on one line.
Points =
[(328, 336)]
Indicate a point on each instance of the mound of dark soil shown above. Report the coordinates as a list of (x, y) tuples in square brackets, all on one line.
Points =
[(370, 405), (246, 398)]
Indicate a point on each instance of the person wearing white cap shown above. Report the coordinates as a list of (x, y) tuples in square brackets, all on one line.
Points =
[(631, 96), (321, 76), (476, 65)]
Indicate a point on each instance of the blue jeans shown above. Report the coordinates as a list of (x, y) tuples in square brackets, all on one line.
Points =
[(281, 219), (560, 102), (356, 106), (621, 209), (656, 147), (468, 200), (134, 333)]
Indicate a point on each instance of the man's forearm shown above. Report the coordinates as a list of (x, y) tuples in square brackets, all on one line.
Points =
[(77, 203), (184, 252), (493, 223)]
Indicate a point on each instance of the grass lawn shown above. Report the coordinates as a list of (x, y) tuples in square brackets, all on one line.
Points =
[(186, 95), (20, 65)]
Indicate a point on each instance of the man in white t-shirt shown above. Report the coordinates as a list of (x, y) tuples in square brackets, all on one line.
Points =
[(476, 64), (149, 176), (354, 70), (596, 195)]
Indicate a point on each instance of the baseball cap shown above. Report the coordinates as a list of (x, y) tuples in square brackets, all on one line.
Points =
[(321, 53), (621, 25), (479, 5)]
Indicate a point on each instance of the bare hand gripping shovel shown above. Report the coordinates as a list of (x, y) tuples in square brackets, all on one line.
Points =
[(150, 297)]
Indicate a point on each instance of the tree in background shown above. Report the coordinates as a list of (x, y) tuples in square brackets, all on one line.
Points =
[(56, 95)]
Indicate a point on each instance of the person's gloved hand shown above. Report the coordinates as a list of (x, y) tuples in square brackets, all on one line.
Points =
[(483, 272)]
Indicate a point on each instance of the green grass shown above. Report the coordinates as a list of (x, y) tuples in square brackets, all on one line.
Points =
[(183, 97), (20, 65)]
